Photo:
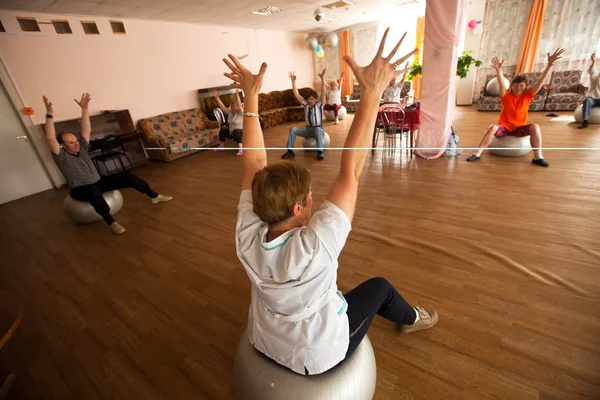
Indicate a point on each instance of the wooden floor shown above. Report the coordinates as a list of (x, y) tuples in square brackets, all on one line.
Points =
[(507, 252)]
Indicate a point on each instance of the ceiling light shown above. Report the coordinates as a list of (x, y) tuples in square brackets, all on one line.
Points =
[(339, 4), (266, 11)]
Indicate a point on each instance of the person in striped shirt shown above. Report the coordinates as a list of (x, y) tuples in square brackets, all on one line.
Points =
[(313, 115)]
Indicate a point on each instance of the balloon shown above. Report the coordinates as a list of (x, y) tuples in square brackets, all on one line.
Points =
[(321, 54), (331, 39), (318, 48), (321, 39), (319, 14), (472, 24), (311, 42), (478, 30)]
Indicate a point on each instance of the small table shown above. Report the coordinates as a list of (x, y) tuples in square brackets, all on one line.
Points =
[(11, 313), (412, 119)]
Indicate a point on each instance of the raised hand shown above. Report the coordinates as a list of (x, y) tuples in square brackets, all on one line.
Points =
[(49, 109), (292, 76), (243, 77), (85, 101), (215, 93), (593, 57), (497, 64), (322, 74), (378, 74), (552, 58)]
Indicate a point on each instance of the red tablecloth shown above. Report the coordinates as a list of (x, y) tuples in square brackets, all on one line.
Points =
[(412, 115)]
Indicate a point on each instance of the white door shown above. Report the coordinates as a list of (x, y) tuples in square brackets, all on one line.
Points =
[(21, 172)]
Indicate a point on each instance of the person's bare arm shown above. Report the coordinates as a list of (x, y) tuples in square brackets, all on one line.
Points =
[(406, 69), (49, 128), (255, 156), (592, 69), (497, 64), (219, 102), (239, 101), (86, 126), (299, 98), (323, 89), (552, 58), (372, 79)]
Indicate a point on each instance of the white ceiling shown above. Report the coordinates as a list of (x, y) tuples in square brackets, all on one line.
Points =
[(295, 15)]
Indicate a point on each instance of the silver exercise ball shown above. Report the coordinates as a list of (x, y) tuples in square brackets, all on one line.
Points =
[(594, 115), (311, 42), (330, 115), (256, 377), (331, 39), (516, 146), (82, 212), (311, 143), (492, 87)]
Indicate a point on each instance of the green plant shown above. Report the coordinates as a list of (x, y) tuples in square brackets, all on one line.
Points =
[(462, 66)]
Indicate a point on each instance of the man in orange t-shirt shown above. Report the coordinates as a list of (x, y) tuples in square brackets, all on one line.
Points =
[(515, 109)]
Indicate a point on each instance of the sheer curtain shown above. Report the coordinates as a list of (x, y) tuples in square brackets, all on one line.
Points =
[(573, 25)]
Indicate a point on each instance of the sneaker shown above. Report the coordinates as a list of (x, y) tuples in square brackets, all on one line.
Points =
[(584, 125), (220, 148), (337, 121), (240, 152), (320, 156), (541, 162), (116, 228), (427, 319), (161, 199), (288, 154), (473, 157)]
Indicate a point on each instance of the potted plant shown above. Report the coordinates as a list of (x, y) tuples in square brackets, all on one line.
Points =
[(463, 65)]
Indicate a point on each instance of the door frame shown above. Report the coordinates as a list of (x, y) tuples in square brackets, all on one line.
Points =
[(35, 133)]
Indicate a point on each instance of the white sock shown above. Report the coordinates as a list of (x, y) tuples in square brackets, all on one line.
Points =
[(478, 152), (418, 316), (537, 154)]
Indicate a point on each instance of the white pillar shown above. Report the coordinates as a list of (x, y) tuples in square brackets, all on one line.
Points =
[(471, 42)]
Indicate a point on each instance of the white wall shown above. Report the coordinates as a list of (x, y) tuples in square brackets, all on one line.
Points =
[(470, 42)]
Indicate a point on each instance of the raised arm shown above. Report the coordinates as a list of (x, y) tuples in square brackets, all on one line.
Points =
[(372, 79), (49, 127), (406, 69), (299, 98), (497, 64), (341, 79), (592, 69), (323, 89), (552, 58), (86, 127), (219, 102), (239, 101), (255, 156)]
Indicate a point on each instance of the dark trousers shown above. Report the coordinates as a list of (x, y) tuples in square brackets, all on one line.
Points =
[(93, 193), (588, 104), (334, 107), (235, 135), (375, 297)]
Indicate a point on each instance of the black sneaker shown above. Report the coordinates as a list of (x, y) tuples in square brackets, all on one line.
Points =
[(541, 162), (320, 156), (288, 154), (473, 157), (584, 125)]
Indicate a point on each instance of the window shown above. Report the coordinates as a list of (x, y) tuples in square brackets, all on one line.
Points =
[(117, 27), (90, 28), (2, 27), (28, 24), (62, 27)]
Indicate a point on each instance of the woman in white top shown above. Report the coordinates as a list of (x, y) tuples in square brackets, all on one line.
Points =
[(334, 97), (235, 121), (297, 316)]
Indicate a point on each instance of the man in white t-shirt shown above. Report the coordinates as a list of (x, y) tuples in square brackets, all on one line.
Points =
[(393, 92), (297, 316), (334, 97)]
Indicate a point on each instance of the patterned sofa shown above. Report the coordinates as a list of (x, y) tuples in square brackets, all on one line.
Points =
[(488, 102), (178, 132), (280, 106), (351, 101)]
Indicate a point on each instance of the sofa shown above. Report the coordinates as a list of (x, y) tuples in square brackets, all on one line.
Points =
[(562, 91), (176, 133), (280, 106), (351, 101)]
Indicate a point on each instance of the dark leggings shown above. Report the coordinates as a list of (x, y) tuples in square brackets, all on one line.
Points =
[(235, 135), (375, 297), (93, 193)]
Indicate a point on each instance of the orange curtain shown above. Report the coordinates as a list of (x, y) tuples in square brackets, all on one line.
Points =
[(531, 38), (345, 50), (419, 54)]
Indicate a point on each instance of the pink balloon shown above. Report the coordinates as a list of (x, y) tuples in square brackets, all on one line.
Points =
[(472, 24)]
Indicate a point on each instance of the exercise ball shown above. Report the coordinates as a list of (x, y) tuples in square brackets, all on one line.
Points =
[(311, 42), (331, 39), (492, 86), (330, 115), (594, 115), (516, 146), (311, 143), (257, 377), (82, 212)]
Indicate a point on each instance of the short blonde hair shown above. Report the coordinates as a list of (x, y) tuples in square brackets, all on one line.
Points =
[(277, 188)]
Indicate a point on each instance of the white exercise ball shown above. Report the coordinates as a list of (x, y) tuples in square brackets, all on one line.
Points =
[(510, 146), (311, 42), (257, 377), (311, 143), (330, 115), (594, 115), (331, 39), (492, 86), (82, 212)]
